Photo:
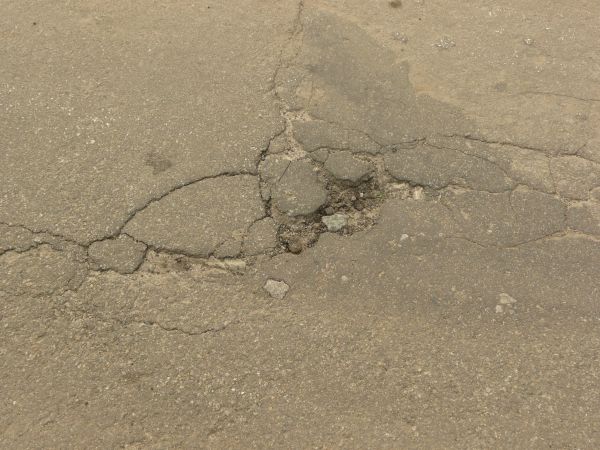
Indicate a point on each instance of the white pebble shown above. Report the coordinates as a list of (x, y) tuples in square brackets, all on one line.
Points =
[(506, 299), (276, 289)]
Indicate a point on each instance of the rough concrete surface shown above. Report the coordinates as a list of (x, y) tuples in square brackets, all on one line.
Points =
[(300, 224)]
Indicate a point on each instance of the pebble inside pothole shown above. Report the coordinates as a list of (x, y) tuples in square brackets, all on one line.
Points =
[(335, 222), (276, 289)]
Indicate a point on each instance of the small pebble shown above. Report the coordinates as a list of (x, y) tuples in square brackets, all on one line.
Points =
[(506, 299), (276, 289), (295, 246), (400, 37), (445, 43), (335, 222)]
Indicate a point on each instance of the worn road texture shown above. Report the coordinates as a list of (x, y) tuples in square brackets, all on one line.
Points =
[(315, 224)]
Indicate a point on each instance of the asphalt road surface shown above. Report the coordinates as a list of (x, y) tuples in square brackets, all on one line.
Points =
[(299, 224)]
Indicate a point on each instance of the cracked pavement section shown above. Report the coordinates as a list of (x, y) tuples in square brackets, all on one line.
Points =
[(196, 219), (299, 224), (298, 192), (147, 107), (122, 254)]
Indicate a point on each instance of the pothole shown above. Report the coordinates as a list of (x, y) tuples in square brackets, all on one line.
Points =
[(349, 208)]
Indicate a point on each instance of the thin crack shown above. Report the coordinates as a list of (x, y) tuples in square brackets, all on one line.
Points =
[(38, 232), (154, 323), (148, 322), (284, 171), (157, 198), (131, 215), (555, 94), (552, 153), (481, 158), (297, 29), (556, 235), (493, 142), (381, 146), (18, 250), (551, 172)]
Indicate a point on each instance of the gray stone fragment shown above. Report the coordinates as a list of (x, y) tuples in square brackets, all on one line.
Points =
[(344, 166), (198, 218), (262, 237), (122, 254), (585, 217), (276, 289), (335, 222), (299, 191)]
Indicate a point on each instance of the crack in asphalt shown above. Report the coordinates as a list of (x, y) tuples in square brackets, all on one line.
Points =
[(285, 61), (556, 94), (564, 234), (38, 232), (546, 151), (153, 323), (175, 188), (481, 158)]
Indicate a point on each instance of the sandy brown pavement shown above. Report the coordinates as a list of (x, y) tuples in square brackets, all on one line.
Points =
[(299, 224)]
